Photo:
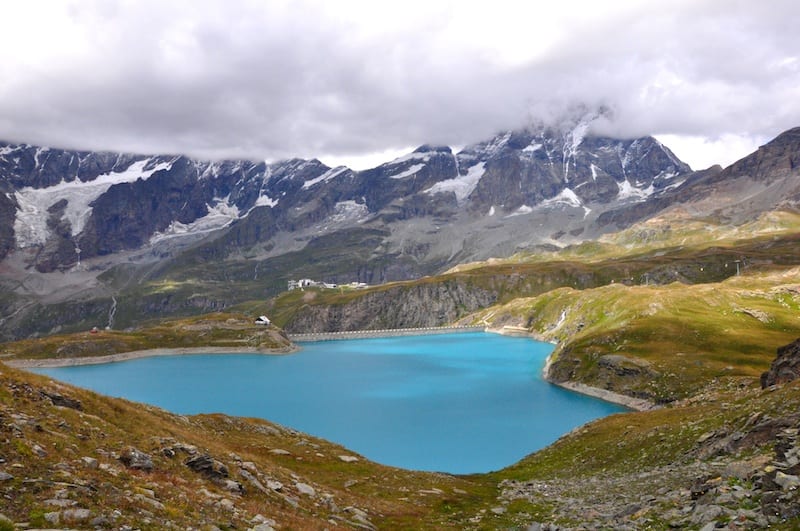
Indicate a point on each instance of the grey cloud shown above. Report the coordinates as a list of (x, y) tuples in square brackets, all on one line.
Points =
[(235, 79)]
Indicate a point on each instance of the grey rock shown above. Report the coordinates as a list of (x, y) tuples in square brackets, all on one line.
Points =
[(252, 480), (280, 451), (90, 462), (787, 481), (61, 502), (39, 451), (208, 466), (304, 488), (5, 476), (225, 504), (76, 515), (62, 401), (136, 459), (155, 504), (232, 486), (706, 513)]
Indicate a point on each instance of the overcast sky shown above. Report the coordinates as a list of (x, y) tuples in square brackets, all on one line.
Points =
[(360, 81)]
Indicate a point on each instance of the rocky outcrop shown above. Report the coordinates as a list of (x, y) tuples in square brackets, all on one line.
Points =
[(404, 306), (134, 458), (8, 211), (785, 368)]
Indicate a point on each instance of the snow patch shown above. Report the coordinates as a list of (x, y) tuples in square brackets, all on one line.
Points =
[(521, 211), (532, 147), (414, 155), (461, 185), (220, 215), (629, 191), (327, 176), (409, 172), (349, 211), (497, 143), (491, 211), (265, 200), (572, 140), (30, 225), (567, 196)]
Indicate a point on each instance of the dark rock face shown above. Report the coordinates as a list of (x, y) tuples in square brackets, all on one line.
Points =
[(421, 305), (785, 368), (8, 211)]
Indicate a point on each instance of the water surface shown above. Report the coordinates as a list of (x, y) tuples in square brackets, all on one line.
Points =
[(456, 403)]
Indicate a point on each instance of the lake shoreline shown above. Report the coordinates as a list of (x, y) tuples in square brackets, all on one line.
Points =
[(636, 404), (53, 363)]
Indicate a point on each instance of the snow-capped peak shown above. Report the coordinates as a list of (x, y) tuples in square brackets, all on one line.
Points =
[(30, 225)]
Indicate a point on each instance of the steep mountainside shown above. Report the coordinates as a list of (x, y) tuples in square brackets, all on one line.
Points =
[(89, 231), (768, 179), (70, 206)]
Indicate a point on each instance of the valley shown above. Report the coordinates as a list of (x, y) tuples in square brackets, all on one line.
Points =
[(676, 289)]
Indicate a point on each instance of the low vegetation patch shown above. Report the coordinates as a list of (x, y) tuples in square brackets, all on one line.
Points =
[(223, 330)]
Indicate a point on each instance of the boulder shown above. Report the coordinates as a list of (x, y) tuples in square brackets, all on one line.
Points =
[(785, 368), (62, 401), (208, 466), (136, 459)]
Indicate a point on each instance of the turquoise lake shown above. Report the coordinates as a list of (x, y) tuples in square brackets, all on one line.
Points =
[(458, 403)]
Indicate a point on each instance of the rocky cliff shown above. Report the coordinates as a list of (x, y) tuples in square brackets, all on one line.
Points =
[(785, 368), (402, 306)]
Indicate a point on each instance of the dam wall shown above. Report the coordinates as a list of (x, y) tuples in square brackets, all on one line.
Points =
[(389, 332)]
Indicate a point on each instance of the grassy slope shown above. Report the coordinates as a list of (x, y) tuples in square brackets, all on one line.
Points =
[(685, 335), (211, 330), (703, 345), (689, 253), (44, 447)]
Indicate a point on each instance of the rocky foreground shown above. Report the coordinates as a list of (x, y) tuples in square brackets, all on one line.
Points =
[(72, 459), (726, 457)]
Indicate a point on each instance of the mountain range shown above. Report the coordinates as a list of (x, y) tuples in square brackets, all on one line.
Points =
[(82, 232)]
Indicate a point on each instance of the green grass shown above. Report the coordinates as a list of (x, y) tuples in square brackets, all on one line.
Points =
[(210, 330), (688, 335)]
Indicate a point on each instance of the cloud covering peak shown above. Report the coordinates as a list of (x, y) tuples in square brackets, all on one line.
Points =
[(277, 79)]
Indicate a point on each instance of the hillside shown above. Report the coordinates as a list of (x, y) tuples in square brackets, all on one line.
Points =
[(719, 450), (73, 458), (76, 459), (229, 331)]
